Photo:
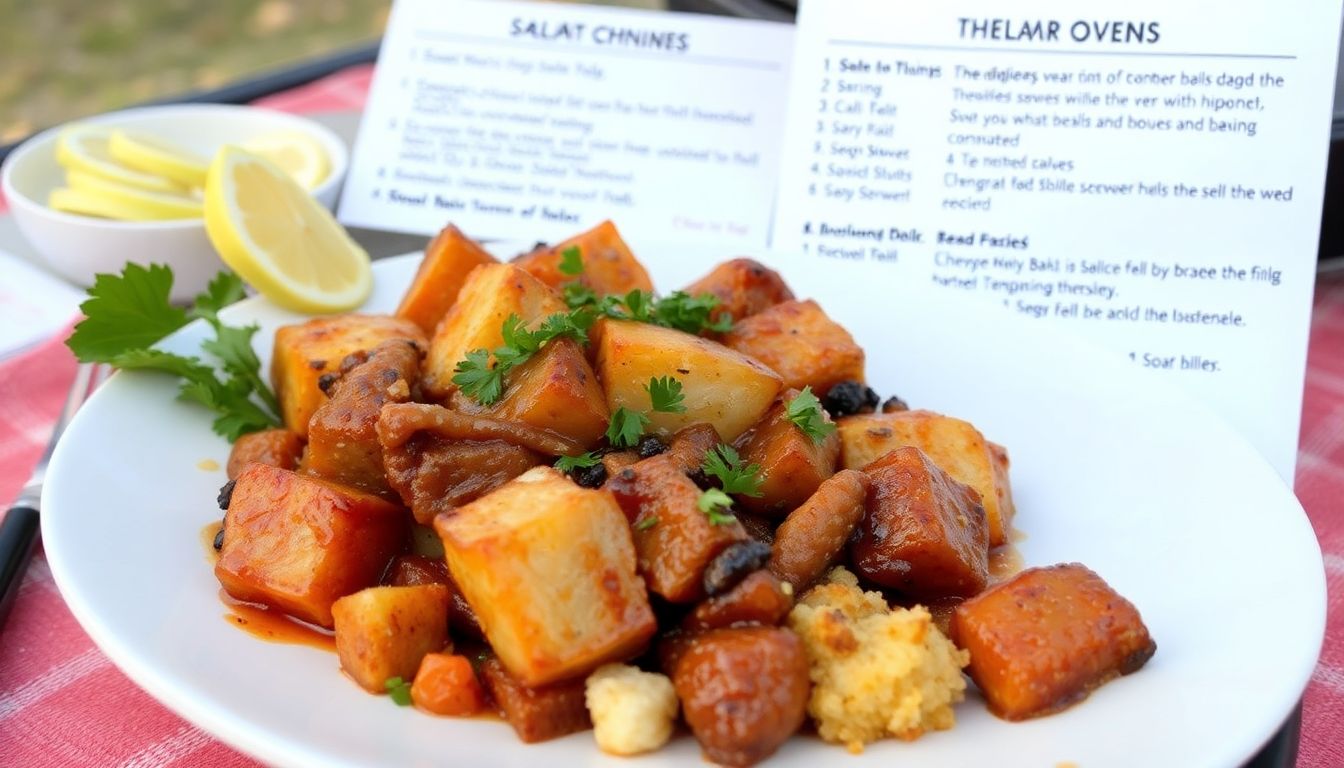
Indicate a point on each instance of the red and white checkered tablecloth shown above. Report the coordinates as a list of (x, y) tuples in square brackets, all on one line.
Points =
[(62, 703)]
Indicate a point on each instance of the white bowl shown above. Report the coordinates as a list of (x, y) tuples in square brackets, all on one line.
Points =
[(80, 247)]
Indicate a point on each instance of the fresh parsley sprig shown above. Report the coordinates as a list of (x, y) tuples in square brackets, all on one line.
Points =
[(805, 412), (717, 506), (582, 461), (571, 261), (483, 380), (399, 690), (665, 395), (646, 523), (127, 314), (626, 427), (725, 465)]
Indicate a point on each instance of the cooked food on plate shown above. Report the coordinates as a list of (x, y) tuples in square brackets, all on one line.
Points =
[(542, 490)]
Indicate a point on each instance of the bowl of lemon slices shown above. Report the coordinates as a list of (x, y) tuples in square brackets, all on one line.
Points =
[(195, 187)]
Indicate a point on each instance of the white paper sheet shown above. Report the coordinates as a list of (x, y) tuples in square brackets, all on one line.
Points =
[(34, 306), (528, 120), (1147, 173)]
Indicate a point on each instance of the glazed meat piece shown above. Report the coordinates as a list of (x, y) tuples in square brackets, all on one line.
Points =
[(674, 540), (813, 535), (924, 533), (793, 465), (537, 714), (298, 543), (743, 691), (433, 475), (743, 287), (397, 423), (759, 599), (689, 445), (956, 446), (1047, 637), (342, 435), (273, 447), (308, 352)]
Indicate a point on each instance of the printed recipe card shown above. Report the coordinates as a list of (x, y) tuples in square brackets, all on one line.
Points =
[(528, 120), (1147, 173)]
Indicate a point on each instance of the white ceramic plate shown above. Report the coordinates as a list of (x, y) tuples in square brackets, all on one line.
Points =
[(1139, 483)]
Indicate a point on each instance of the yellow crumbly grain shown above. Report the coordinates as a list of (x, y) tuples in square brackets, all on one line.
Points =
[(875, 671)]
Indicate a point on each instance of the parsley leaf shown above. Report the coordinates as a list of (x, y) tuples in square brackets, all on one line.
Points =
[(724, 464), (579, 295), (571, 262), (399, 690), (665, 394), (690, 313), (127, 314), (626, 427), (805, 412), (483, 381), (716, 505), (582, 461), (478, 379), (129, 311), (646, 523)]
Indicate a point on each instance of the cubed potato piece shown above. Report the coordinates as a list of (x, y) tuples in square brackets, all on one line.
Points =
[(342, 435), (384, 632), (299, 543), (549, 569), (413, 570), (446, 684), (719, 386), (537, 713), (743, 691), (307, 351), (556, 390), (924, 533), (797, 340), (743, 287), (759, 599), (276, 447), (490, 294), (674, 540), (608, 264), (954, 445), (793, 465), (434, 475), (449, 257), (1047, 637)]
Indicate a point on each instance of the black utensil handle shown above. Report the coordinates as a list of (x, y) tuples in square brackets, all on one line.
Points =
[(18, 532)]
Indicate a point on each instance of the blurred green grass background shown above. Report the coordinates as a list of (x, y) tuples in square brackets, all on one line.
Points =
[(62, 59)]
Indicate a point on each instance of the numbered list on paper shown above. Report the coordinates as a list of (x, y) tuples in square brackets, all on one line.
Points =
[(1154, 181), (524, 120)]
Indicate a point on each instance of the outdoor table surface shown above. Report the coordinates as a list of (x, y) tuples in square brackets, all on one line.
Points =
[(62, 703)]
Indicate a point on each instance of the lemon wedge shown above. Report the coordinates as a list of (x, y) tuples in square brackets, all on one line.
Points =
[(152, 155), (297, 154), (279, 239), (101, 197), (84, 148)]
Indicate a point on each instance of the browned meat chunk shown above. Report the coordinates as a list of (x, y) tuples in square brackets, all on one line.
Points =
[(743, 287), (274, 447), (537, 714), (808, 541), (793, 465)]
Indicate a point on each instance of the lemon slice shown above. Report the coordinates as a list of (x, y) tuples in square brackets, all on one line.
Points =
[(279, 239), (120, 201), (84, 148), (297, 154), (152, 155)]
